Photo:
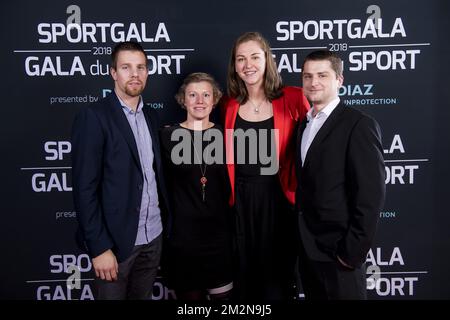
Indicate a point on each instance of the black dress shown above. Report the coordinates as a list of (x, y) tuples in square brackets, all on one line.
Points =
[(264, 224), (198, 251)]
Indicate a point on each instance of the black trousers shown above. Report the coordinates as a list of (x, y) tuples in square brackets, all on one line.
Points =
[(331, 280), (136, 275)]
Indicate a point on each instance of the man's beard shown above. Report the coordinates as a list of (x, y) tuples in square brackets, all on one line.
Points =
[(136, 91)]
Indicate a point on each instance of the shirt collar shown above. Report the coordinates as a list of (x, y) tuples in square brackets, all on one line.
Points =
[(129, 109), (325, 111)]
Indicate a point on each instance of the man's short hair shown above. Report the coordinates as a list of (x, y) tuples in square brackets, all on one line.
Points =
[(126, 46), (319, 55)]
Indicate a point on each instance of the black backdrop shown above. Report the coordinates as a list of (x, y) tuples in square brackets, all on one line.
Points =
[(395, 69)]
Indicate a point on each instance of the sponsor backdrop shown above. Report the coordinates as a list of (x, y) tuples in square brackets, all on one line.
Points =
[(55, 61)]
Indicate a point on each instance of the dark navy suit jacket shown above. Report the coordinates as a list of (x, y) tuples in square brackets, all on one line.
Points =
[(107, 177)]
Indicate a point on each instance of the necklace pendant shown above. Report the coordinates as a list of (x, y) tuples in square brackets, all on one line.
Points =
[(203, 189), (203, 180), (256, 106)]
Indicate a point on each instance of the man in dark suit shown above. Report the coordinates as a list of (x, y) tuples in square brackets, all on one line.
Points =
[(117, 182), (341, 188)]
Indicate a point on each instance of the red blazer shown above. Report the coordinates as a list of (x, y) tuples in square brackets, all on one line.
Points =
[(288, 110)]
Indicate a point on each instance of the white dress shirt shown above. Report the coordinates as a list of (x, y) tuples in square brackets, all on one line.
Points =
[(313, 125)]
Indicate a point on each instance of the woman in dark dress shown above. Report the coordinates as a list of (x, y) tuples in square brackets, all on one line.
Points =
[(198, 249), (262, 115)]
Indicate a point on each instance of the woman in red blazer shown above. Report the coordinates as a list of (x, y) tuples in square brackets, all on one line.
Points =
[(260, 116)]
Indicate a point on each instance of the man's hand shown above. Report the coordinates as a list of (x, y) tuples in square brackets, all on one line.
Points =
[(106, 266)]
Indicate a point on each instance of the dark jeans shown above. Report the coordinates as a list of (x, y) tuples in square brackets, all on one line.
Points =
[(136, 275)]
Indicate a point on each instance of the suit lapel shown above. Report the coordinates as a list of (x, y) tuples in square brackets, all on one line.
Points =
[(300, 130), (279, 116), (122, 123), (230, 120), (324, 131), (153, 129), (231, 114)]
